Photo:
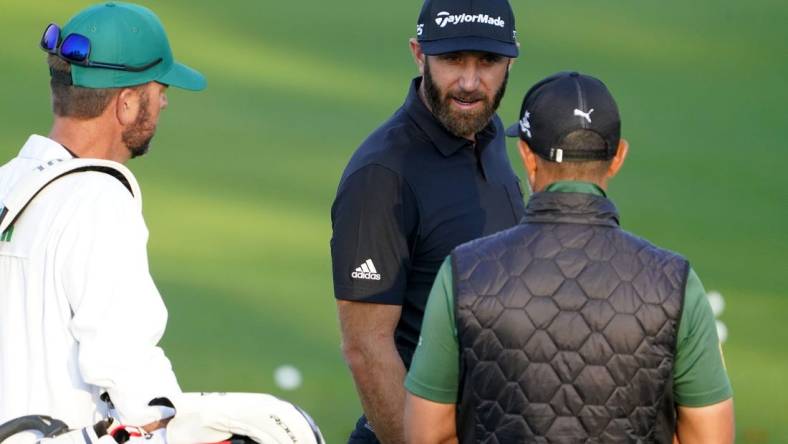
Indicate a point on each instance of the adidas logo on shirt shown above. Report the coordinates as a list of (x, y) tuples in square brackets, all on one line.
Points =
[(367, 271)]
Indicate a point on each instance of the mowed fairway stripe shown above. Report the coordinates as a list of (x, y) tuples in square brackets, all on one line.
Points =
[(272, 254)]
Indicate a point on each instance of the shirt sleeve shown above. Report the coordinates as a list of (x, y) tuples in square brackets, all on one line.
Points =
[(434, 371), (118, 314), (374, 218), (699, 375)]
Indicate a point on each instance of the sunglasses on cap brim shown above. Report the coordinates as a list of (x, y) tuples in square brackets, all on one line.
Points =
[(75, 49)]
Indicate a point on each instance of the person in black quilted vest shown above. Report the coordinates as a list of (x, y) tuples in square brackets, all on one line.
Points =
[(566, 328)]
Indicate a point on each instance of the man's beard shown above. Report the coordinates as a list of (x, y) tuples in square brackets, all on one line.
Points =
[(138, 136), (461, 123)]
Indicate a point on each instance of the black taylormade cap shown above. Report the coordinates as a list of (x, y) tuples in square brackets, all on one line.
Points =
[(467, 25), (561, 104)]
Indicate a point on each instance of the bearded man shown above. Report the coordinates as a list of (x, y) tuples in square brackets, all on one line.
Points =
[(81, 315), (435, 175)]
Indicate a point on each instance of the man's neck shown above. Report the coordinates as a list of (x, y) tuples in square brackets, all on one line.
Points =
[(88, 139)]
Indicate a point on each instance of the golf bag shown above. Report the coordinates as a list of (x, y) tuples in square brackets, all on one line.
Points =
[(227, 418)]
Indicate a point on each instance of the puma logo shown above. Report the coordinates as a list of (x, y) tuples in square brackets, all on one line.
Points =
[(587, 115), (525, 125)]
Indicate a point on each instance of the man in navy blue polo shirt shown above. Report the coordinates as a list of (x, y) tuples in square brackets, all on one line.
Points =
[(433, 176)]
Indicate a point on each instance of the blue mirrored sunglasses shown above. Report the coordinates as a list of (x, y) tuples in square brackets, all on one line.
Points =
[(75, 49)]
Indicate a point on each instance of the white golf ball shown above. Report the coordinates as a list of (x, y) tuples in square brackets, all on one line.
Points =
[(287, 377), (717, 302), (722, 331)]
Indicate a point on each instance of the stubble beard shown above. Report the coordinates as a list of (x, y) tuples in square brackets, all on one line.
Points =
[(461, 123), (139, 135)]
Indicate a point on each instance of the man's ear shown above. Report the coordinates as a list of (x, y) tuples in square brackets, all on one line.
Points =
[(127, 106), (418, 55), (529, 160), (512, 59), (618, 159)]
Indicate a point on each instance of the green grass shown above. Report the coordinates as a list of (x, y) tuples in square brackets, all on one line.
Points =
[(240, 179)]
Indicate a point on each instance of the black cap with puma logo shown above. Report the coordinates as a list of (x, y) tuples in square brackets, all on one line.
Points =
[(561, 104)]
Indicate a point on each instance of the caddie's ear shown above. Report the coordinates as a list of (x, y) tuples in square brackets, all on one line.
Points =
[(418, 55), (127, 106), (618, 160)]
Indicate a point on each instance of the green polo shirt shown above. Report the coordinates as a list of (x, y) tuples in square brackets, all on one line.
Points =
[(699, 376)]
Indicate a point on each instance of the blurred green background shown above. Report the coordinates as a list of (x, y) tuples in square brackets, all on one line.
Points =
[(240, 178)]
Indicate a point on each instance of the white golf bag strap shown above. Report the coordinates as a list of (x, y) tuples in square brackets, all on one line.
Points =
[(29, 186)]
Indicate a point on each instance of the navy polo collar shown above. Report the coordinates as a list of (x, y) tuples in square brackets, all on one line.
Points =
[(446, 142)]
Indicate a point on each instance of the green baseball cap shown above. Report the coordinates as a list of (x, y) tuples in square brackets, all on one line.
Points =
[(127, 34)]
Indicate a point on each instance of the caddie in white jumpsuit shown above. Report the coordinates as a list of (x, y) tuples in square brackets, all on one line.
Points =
[(80, 315)]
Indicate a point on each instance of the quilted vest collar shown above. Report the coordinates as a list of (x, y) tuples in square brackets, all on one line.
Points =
[(571, 208)]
